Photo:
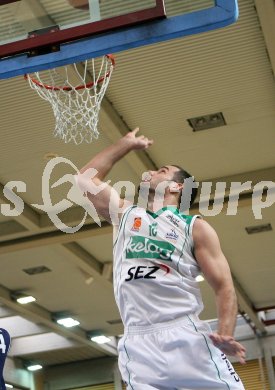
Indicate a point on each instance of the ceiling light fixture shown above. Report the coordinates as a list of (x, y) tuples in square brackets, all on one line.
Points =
[(68, 322), (65, 319), (34, 367), (25, 300), (22, 298), (100, 339), (199, 278)]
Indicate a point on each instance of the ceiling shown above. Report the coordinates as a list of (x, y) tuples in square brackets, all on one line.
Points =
[(157, 88)]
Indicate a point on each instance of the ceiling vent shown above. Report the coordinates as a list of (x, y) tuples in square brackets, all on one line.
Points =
[(207, 121), (258, 229), (36, 270)]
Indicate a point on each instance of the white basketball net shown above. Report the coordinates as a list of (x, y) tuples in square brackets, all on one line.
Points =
[(76, 103)]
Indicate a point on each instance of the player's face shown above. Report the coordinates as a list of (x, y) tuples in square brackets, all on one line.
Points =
[(163, 174)]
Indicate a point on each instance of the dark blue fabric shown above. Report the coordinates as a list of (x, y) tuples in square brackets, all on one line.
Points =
[(4, 348)]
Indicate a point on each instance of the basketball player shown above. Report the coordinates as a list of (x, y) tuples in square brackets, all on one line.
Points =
[(158, 252), (4, 348)]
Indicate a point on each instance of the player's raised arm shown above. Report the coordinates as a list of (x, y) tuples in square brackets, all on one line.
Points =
[(102, 195), (216, 270)]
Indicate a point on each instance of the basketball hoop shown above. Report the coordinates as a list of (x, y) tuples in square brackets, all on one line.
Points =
[(75, 105)]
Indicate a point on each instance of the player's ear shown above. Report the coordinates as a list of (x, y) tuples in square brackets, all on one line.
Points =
[(175, 187)]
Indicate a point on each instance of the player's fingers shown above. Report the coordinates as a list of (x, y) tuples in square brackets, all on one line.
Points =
[(135, 130), (241, 347), (215, 337), (241, 358), (150, 142), (144, 140), (227, 340), (217, 344), (148, 145), (230, 340), (141, 138)]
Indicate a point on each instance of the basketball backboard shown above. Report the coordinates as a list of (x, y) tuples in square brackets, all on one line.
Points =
[(41, 34)]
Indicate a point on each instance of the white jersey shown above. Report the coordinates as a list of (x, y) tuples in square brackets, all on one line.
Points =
[(155, 267)]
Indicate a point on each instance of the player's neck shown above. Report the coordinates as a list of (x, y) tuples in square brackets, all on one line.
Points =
[(154, 204)]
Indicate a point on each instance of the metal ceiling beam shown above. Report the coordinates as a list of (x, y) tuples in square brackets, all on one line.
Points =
[(5, 312), (83, 259), (266, 13), (89, 264), (53, 238), (268, 355), (247, 306), (33, 344), (28, 218), (87, 231), (39, 343), (254, 176), (34, 221), (86, 257), (36, 313), (72, 216), (20, 327)]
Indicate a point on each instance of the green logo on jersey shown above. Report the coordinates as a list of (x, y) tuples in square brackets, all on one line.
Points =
[(146, 248), (153, 229)]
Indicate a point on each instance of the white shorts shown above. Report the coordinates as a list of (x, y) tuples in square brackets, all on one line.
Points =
[(176, 355)]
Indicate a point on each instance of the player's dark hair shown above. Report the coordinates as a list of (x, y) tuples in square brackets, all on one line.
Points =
[(179, 177)]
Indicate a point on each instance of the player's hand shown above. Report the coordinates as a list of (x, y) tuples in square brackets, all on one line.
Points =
[(229, 346), (137, 142)]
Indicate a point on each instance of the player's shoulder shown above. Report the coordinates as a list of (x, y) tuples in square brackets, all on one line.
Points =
[(203, 231)]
